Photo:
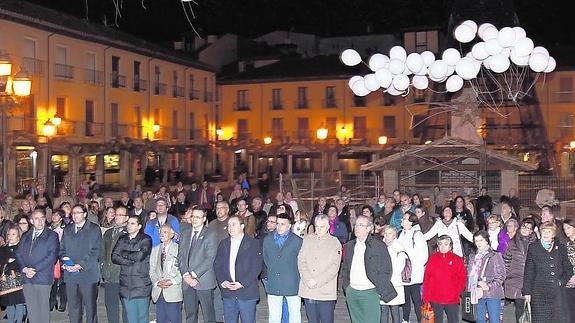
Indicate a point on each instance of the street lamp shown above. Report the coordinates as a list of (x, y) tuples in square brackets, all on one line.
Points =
[(321, 133), (11, 89), (267, 140), (382, 140), (49, 128)]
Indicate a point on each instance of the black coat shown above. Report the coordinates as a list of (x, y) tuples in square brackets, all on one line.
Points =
[(83, 248), (133, 255), (377, 267), (9, 264)]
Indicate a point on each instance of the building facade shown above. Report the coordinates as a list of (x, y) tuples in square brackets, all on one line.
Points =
[(119, 104)]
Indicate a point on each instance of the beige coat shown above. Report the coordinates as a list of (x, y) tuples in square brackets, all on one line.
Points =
[(319, 259), (170, 271)]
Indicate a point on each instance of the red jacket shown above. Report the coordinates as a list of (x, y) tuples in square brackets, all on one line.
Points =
[(445, 278)]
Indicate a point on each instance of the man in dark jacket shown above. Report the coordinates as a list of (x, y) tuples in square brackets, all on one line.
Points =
[(111, 271), (132, 253), (81, 243), (37, 254), (238, 264), (366, 274)]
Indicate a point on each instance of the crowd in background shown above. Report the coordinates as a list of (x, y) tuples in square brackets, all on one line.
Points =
[(197, 248)]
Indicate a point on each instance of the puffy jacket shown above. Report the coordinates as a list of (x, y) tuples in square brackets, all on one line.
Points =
[(416, 247), (133, 256), (514, 258), (494, 274), (444, 279)]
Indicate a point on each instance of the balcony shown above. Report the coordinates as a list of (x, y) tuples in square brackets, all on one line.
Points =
[(242, 106), (93, 129), (33, 66), (197, 134), (160, 89), (139, 85), (208, 96), (329, 103), (243, 135), (178, 92), (117, 80), (359, 101), (63, 72), (276, 105), (302, 104), (194, 95), (93, 77)]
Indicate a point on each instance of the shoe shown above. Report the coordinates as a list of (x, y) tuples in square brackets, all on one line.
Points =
[(62, 308), (53, 306)]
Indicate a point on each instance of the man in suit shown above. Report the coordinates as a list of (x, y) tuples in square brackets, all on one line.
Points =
[(37, 254), (81, 242), (238, 264), (198, 246), (166, 278)]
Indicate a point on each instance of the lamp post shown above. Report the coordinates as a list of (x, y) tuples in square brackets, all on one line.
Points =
[(321, 134), (11, 89)]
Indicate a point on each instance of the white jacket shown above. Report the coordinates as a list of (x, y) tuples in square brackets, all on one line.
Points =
[(398, 256), (454, 230), (416, 247)]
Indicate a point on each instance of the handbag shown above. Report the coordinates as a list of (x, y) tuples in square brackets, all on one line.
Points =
[(10, 283), (469, 308), (427, 313), (407, 269), (526, 317)]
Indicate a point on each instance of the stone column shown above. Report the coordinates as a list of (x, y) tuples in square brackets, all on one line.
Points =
[(390, 180), (125, 169), (290, 164), (509, 179), (100, 178), (74, 172)]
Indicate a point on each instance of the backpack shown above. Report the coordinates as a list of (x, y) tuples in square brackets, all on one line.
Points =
[(407, 269)]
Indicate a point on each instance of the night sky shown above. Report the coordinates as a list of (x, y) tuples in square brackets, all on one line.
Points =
[(546, 22)]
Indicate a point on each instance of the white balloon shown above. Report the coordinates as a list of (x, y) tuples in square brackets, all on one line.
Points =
[(384, 77), (479, 51), (538, 62), (489, 33), (506, 37), (464, 33), (350, 57), (396, 66), (518, 60), (551, 65), (487, 62), (499, 63), (454, 83), (353, 80), (492, 47), (393, 91), (482, 27), (451, 56), (524, 46), (398, 52), (471, 24), (540, 49), (519, 33), (420, 82), (377, 61), (359, 88), (428, 58), (371, 82), (438, 69), (506, 51), (422, 71), (414, 62), (401, 82), (466, 69)]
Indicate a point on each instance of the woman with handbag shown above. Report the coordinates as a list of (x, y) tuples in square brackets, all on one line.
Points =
[(486, 275), (569, 228), (11, 294), (444, 281)]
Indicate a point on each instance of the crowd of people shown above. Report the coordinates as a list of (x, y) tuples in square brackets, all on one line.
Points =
[(189, 248)]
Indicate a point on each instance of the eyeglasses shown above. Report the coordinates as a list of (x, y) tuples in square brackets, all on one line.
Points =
[(365, 226), (81, 212)]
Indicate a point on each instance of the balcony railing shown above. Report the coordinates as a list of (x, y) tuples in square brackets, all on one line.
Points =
[(33, 66), (178, 91), (194, 95), (196, 134), (329, 103), (359, 101), (242, 106), (276, 105), (160, 89), (63, 72), (93, 129), (93, 77), (117, 80), (139, 85), (302, 104), (243, 135)]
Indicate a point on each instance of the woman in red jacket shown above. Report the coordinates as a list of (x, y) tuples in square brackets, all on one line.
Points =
[(444, 281)]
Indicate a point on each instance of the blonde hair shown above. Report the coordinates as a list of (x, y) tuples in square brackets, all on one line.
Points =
[(548, 226)]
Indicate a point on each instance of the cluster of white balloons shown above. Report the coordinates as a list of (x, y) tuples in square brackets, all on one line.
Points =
[(495, 53)]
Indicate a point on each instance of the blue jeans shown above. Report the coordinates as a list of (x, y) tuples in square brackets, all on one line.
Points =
[(15, 313), (137, 309), (275, 307), (319, 311), (167, 312), (244, 308), (490, 305)]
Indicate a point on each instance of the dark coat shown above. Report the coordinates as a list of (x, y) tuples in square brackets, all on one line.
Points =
[(494, 274), (133, 256), (83, 248), (110, 271), (249, 262), (377, 267), (281, 265), (41, 256), (9, 265), (514, 258), (340, 231)]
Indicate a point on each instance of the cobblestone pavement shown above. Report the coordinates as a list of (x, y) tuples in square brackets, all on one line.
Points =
[(341, 313)]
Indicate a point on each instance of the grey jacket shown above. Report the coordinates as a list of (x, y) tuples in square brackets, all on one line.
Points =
[(494, 274), (110, 271), (198, 262), (514, 259)]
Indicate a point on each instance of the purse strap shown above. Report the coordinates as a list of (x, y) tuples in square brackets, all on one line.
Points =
[(484, 266)]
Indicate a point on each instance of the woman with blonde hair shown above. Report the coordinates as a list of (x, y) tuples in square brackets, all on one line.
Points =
[(398, 258), (301, 223)]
